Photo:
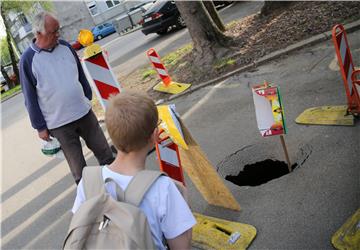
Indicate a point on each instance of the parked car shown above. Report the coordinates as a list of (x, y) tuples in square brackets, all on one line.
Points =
[(2, 84), (76, 45), (102, 30), (161, 18)]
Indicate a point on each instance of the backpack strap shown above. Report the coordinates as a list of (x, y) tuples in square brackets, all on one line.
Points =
[(93, 181), (119, 191), (139, 185)]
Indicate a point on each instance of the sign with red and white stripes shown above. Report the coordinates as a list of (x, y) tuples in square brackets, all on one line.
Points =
[(169, 159), (159, 66), (346, 66), (101, 77)]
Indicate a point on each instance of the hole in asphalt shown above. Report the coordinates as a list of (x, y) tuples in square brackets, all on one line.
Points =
[(260, 172)]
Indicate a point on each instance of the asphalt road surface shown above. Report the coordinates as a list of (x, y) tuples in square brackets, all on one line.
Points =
[(300, 210)]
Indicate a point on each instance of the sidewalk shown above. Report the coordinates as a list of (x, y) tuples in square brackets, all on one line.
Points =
[(300, 210)]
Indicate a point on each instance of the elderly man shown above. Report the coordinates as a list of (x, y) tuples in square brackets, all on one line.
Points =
[(57, 96)]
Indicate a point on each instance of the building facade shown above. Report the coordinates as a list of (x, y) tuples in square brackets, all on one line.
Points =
[(106, 11), (72, 15)]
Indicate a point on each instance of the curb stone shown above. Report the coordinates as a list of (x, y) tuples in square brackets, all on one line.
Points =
[(351, 27), (10, 96)]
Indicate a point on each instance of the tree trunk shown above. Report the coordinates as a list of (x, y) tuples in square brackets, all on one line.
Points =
[(210, 7), (209, 43), (10, 47), (6, 77), (270, 6)]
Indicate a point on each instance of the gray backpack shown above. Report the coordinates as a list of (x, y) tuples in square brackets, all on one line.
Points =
[(102, 222)]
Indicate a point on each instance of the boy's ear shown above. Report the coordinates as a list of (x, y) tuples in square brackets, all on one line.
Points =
[(155, 135)]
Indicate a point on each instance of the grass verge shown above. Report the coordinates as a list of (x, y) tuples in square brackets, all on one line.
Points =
[(10, 92)]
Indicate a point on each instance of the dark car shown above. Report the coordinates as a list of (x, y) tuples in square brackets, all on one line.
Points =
[(103, 30), (161, 18)]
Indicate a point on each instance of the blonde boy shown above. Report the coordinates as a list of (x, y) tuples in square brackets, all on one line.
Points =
[(131, 120)]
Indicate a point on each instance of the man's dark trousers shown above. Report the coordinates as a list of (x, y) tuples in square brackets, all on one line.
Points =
[(89, 129)]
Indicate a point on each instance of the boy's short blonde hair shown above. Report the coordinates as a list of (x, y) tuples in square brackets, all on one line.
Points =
[(130, 120)]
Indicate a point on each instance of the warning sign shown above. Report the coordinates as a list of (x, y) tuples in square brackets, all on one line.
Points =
[(269, 110)]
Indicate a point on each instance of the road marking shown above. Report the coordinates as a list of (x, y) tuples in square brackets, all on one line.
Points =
[(202, 101)]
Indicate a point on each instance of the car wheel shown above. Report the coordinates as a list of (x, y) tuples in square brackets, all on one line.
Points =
[(180, 22), (99, 37)]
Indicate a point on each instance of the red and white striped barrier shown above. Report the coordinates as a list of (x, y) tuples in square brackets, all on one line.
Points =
[(347, 68), (169, 159), (166, 85), (159, 66), (101, 77)]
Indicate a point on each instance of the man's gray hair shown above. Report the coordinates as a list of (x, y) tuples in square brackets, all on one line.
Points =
[(38, 24)]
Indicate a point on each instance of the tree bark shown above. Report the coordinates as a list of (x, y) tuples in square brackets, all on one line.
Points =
[(210, 7), (270, 6), (209, 43), (10, 47)]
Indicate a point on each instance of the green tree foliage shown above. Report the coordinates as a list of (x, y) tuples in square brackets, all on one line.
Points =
[(4, 51)]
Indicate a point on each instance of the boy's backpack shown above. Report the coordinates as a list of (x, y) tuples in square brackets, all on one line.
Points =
[(102, 222)]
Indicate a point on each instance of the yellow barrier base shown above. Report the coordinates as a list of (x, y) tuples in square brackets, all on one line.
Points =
[(214, 233), (173, 88), (91, 50), (348, 236), (326, 115)]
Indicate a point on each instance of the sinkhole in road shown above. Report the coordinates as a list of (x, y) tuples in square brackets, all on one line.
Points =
[(260, 172)]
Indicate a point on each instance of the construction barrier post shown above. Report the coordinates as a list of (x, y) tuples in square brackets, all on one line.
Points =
[(194, 161), (209, 232), (169, 158), (98, 71), (166, 85), (347, 69), (341, 114), (159, 67)]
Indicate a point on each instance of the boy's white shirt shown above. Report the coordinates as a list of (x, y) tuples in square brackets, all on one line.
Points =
[(166, 210)]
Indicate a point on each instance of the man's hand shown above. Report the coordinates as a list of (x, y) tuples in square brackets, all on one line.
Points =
[(44, 135)]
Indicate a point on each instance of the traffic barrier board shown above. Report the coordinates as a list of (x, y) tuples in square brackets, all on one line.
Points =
[(99, 74), (347, 69), (166, 85)]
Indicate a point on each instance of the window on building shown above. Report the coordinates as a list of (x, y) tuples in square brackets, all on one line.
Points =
[(23, 20), (93, 10), (109, 4), (92, 7), (112, 3)]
